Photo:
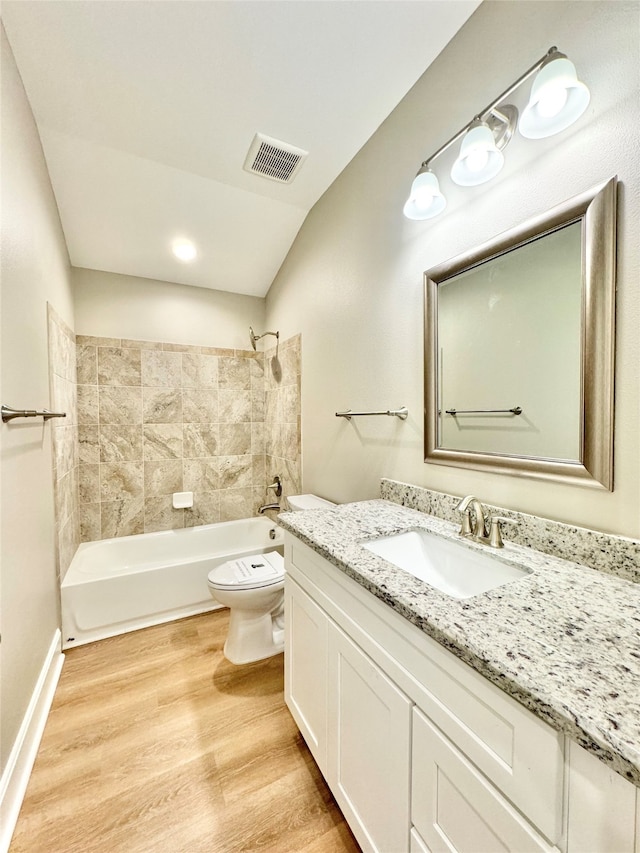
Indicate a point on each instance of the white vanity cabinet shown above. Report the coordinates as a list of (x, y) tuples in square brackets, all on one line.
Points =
[(368, 746), (354, 719), (421, 752)]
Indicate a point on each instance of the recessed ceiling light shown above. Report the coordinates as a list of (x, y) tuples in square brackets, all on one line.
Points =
[(184, 250)]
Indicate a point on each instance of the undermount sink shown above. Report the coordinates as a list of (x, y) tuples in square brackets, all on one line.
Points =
[(447, 565)]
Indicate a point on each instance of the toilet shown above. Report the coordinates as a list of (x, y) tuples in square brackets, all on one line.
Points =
[(253, 589)]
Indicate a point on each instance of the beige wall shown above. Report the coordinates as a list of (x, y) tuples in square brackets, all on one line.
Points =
[(35, 270), (121, 306), (352, 282)]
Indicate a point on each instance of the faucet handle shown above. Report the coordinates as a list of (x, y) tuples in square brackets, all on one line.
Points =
[(465, 527), (276, 485), (495, 534)]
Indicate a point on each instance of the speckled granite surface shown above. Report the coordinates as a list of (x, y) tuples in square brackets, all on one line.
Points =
[(617, 555), (564, 641)]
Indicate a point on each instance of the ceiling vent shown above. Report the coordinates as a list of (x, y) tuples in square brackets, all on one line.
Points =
[(274, 159)]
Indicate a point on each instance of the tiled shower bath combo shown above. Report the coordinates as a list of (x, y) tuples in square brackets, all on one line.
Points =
[(154, 418)]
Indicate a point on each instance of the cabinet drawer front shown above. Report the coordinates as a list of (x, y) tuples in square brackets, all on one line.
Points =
[(369, 747), (453, 806), (306, 627)]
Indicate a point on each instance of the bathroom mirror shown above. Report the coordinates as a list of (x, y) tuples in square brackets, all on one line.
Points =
[(519, 348)]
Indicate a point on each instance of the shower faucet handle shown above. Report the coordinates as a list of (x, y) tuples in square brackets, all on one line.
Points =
[(276, 486)]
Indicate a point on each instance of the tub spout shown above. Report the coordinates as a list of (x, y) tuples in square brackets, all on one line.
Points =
[(264, 508)]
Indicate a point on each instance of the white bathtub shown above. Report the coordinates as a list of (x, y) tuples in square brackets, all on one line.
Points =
[(131, 582)]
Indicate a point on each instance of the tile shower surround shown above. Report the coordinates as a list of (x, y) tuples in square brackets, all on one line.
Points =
[(157, 418), (62, 382)]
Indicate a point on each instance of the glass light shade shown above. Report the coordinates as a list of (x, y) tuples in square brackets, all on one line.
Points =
[(425, 199), (479, 159), (557, 99)]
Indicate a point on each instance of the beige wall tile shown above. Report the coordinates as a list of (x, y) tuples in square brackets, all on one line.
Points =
[(205, 509), (64, 450), (121, 481), (120, 405), (87, 396), (68, 541), (66, 496), (90, 522), (161, 369), (88, 443), (235, 439), (162, 478), (258, 472), (140, 344), (236, 503), (91, 340), (257, 437), (162, 441), (202, 475), (89, 483), (199, 371), (87, 365), (162, 406), (200, 405), (217, 351), (235, 471), (121, 518), (120, 443), (118, 366), (234, 406), (234, 374), (179, 348), (160, 514), (200, 440)]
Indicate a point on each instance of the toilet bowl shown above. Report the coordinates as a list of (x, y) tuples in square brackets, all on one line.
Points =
[(253, 590)]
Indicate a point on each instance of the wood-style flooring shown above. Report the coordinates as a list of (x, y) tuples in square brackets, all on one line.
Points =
[(157, 744)]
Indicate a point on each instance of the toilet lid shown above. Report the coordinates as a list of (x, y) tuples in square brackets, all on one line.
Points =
[(251, 572)]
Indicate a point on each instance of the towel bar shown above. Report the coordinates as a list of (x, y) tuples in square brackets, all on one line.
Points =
[(8, 414)]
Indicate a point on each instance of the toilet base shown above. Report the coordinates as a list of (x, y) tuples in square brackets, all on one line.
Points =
[(253, 637)]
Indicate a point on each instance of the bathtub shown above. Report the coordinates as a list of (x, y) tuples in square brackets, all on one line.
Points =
[(130, 582)]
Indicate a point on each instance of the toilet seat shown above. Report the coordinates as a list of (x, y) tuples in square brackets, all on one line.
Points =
[(253, 572)]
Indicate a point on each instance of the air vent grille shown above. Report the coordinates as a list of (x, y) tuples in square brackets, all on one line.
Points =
[(274, 159)]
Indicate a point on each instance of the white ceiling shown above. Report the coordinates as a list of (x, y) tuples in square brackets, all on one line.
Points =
[(147, 109)]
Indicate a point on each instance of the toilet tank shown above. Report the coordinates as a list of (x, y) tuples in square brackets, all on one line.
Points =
[(299, 502)]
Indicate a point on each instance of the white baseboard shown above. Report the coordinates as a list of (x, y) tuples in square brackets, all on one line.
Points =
[(13, 784)]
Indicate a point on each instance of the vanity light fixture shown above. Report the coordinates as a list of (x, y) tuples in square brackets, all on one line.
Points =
[(557, 100), (425, 199), (184, 250)]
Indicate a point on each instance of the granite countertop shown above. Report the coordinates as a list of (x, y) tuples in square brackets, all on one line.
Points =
[(564, 640)]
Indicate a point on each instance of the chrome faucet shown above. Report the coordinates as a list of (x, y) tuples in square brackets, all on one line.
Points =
[(264, 508), (479, 529)]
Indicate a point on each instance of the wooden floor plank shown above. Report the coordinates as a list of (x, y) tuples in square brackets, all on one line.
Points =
[(155, 742)]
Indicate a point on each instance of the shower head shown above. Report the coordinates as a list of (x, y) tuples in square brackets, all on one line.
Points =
[(254, 338)]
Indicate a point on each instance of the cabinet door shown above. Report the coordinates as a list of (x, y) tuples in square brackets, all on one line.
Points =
[(369, 734), (455, 808), (305, 661)]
